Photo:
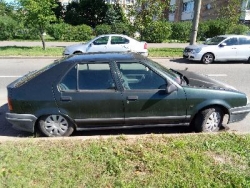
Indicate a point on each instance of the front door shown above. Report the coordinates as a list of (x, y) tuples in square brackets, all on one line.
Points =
[(90, 97), (145, 97)]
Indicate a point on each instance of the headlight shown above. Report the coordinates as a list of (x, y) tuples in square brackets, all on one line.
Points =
[(248, 100), (197, 50)]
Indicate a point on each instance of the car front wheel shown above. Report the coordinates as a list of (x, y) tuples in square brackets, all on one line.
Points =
[(55, 125), (209, 120), (207, 58)]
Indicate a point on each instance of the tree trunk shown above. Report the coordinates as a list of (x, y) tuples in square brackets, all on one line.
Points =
[(43, 41)]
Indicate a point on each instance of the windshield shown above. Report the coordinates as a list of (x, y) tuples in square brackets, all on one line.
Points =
[(173, 75), (214, 40)]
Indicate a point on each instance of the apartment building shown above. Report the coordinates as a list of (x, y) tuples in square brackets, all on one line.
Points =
[(183, 10)]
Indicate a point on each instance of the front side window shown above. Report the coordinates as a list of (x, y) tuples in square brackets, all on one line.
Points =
[(231, 41), (88, 76), (119, 40), (101, 41), (135, 75)]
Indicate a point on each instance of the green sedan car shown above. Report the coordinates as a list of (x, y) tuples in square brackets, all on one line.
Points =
[(119, 90)]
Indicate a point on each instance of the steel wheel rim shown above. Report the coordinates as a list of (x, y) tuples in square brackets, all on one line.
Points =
[(213, 121), (208, 58), (56, 125)]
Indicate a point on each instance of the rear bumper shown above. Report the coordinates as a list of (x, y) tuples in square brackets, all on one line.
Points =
[(239, 113), (24, 122)]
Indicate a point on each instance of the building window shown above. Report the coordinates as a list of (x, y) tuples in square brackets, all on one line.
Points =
[(188, 6)]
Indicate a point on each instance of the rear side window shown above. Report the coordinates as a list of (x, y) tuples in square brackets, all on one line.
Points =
[(88, 76), (244, 40), (119, 40)]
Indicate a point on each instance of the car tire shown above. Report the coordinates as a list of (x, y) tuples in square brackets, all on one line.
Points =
[(207, 58), (248, 61), (55, 126), (209, 120)]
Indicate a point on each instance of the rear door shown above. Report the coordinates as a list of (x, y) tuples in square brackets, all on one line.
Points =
[(88, 95), (243, 50), (119, 44)]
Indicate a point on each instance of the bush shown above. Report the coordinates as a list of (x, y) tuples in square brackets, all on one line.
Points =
[(68, 32), (239, 29), (122, 28), (213, 28), (102, 29), (7, 28), (156, 32), (58, 31), (181, 31)]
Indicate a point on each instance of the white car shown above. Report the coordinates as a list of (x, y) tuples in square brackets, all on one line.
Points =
[(109, 43), (220, 48)]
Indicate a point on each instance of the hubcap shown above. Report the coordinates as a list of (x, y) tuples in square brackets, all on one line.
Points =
[(56, 125), (208, 58), (213, 121)]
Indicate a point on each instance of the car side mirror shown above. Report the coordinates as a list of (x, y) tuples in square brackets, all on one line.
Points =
[(223, 44), (171, 88)]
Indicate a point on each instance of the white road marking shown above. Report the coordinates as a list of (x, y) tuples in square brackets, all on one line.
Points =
[(217, 75)]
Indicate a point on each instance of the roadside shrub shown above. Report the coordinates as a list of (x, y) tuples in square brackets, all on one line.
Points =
[(58, 31), (121, 28), (7, 28), (79, 33), (181, 31), (215, 27), (238, 29), (156, 32), (102, 29)]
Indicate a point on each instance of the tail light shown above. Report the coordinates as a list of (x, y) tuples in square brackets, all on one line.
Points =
[(145, 45), (10, 104)]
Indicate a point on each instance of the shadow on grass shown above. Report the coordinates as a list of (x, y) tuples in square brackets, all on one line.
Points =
[(16, 48)]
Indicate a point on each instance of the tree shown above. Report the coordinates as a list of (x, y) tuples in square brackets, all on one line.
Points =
[(89, 12), (38, 14), (144, 12), (115, 14)]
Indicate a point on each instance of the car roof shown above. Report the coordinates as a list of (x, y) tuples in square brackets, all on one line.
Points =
[(113, 35), (105, 56), (232, 35)]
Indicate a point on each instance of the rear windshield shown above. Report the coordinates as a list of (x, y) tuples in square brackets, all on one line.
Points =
[(35, 73)]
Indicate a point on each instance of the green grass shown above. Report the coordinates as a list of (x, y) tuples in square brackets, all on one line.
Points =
[(165, 52), (57, 51), (30, 51), (197, 160)]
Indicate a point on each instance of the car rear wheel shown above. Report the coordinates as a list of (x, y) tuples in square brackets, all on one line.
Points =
[(207, 58), (55, 125), (209, 120)]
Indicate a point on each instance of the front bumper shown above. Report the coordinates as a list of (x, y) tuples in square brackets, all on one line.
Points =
[(238, 113), (192, 56), (24, 122)]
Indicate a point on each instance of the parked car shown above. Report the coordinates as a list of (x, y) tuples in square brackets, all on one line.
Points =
[(119, 90), (109, 43), (220, 48)]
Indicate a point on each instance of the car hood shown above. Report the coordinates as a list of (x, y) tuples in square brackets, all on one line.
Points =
[(196, 46), (199, 80), (77, 46)]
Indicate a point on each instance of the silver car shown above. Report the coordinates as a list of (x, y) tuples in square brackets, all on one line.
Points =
[(109, 43), (220, 48)]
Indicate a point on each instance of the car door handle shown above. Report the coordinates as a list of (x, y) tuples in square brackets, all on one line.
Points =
[(66, 98), (132, 98)]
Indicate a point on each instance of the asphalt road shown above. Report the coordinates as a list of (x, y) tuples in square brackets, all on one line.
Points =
[(236, 74)]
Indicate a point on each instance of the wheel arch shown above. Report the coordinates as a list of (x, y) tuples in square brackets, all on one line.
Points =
[(52, 112), (222, 106)]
